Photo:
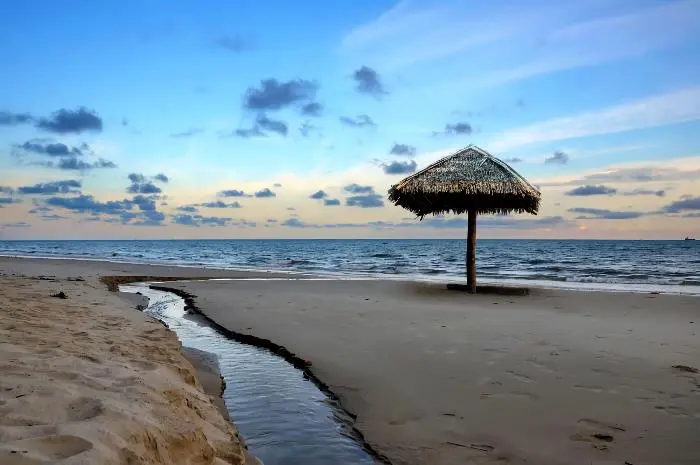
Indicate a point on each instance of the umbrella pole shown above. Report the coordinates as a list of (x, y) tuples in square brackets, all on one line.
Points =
[(471, 251)]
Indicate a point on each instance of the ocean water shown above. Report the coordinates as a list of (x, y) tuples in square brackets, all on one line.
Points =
[(664, 266)]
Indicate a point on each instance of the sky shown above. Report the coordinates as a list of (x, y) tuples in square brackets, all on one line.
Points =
[(160, 119)]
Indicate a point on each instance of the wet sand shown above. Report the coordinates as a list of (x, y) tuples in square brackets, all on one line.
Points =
[(442, 377)]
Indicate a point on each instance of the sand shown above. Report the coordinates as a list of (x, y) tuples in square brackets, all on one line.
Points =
[(442, 377), (88, 380)]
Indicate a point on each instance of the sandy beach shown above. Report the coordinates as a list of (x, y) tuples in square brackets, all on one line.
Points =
[(89, 379), (441, 377)]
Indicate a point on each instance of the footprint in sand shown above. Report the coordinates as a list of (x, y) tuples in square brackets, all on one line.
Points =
[(593, 437), (672, 410), (540, 366), (600, 424), (43, 449), (685, 369), (520, 377), (589, 388), (84, 408)]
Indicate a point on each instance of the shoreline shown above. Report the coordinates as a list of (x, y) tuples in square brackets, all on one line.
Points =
[(571, 286)]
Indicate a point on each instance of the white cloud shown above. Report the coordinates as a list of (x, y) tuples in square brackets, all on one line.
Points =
[(509, 41), (660, 110), (601, 40)]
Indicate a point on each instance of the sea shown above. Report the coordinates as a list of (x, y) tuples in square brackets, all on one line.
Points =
[(634, 266)]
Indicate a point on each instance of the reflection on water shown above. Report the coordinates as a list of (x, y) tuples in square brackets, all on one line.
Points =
[(285, 418)]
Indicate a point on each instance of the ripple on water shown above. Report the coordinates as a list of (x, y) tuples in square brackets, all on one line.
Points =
[(285, 418)]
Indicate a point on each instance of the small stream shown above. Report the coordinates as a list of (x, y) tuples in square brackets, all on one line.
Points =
[(285, 418)]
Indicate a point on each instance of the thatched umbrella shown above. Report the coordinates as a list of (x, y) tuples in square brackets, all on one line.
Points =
[(470, 180)]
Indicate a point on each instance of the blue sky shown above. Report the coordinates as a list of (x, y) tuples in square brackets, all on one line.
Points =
[(297, 99)]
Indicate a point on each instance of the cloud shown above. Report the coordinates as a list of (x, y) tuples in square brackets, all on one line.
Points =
[(400, 167), (145, 203), (68, 156), (358, 122), (636, 192), (458, 129), (685, 204), (558, 158), (16, 224), (212, 221), (403, 149), (235, 44), (188, 133), (295, 223), (312, 109), (52, 149), (220, 204), (255, 131), (365, 201), (367, 81), (161, 177), (265, 193), (66, 121), (188, 208), (267, 124), (603, 214), (88, 204), (141, 185), (659, 110), (53, 217), (358, 189), (275, 95), (513, 160), (13, 119), (68, 186), (306, 128), (592, 190), (634, 174), (322, 195), (121, 211), (199, 220), (73, 164), (232, 193), (532, 39), (262, 124)]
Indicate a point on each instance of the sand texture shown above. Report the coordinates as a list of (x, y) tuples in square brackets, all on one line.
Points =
[(90, 380), (443, 377)]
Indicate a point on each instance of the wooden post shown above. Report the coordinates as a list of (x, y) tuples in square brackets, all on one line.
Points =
[(471, 251)]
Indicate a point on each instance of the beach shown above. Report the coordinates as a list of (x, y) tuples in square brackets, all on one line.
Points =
[(443, 377), (89, 379)]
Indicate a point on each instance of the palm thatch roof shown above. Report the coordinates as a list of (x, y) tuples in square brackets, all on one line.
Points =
[(469, 179)]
